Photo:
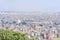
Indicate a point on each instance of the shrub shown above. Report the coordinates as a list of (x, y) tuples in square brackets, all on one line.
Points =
[(11, 35)]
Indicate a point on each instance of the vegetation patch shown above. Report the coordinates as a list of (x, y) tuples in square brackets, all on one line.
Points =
[(11, 35), (56, 38)]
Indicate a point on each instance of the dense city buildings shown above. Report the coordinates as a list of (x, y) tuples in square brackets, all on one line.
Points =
[(39, 25)]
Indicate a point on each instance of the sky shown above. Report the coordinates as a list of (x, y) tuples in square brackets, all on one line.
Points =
[(30, 5)]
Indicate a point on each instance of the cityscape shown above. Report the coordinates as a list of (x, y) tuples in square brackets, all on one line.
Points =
[(42, 26)]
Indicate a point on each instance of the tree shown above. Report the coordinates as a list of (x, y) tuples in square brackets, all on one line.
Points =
[(11, 35), (23, 22)]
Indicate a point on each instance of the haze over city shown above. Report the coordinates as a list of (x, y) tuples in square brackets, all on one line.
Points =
[(30, 5)]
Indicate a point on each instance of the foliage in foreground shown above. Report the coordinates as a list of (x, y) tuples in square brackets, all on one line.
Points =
[(56, 38), (11, 35)]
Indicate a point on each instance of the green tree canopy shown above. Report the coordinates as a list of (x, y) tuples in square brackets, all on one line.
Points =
[(11, 35), (23, 22)]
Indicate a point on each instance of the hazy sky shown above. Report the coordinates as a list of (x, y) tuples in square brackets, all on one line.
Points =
[(30, 5)]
